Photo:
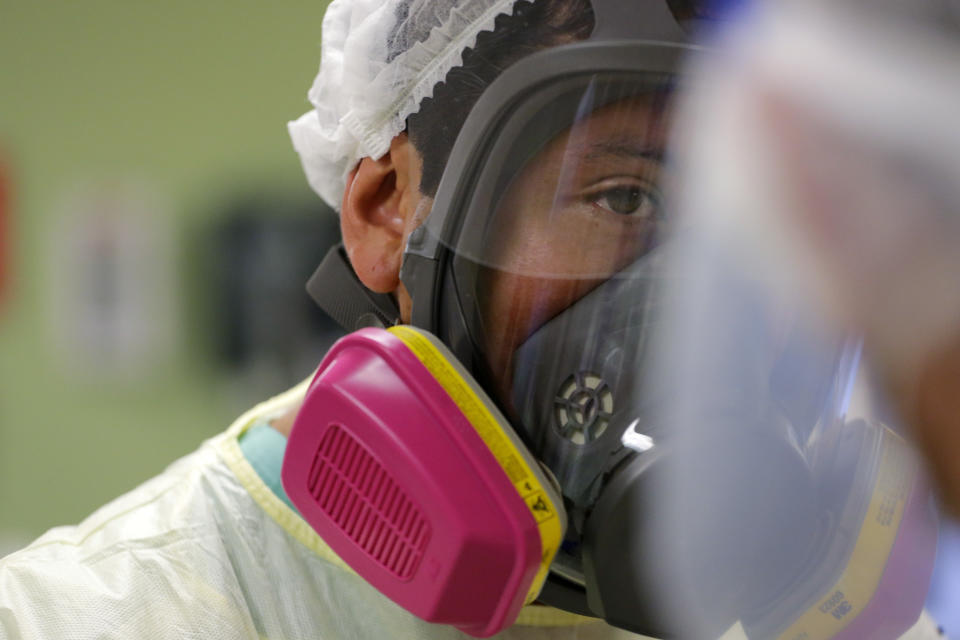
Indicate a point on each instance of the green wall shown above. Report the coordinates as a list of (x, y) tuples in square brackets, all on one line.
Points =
[(189, 99)]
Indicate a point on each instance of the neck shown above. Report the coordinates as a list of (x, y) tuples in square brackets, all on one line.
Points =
[(284, 422)]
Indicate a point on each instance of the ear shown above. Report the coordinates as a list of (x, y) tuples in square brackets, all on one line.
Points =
[(378, 208)]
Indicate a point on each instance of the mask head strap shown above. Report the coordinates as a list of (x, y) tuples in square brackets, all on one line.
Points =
[(336, 289)]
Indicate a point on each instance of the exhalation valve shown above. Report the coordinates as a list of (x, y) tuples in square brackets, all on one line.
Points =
[(583, 407)]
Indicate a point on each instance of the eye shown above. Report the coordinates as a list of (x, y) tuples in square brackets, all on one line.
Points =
[(632, 200)]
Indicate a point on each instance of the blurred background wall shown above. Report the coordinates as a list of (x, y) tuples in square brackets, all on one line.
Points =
[(155, 234)]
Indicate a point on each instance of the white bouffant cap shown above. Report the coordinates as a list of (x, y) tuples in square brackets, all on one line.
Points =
[(379, 60)]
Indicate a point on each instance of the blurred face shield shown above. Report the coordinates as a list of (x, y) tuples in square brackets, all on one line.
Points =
[(818, 249), (789, 503)]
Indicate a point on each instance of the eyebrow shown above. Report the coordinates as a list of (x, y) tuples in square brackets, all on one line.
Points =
[(622, 149)]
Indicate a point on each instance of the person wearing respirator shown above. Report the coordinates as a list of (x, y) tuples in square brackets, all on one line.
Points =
[(480, 450)]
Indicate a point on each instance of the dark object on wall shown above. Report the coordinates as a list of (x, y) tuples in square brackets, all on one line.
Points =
[(261, 253)]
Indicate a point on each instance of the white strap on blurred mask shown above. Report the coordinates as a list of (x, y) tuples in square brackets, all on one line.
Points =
[(825, 142)]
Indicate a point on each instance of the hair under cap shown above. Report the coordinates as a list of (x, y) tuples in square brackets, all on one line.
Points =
[(379, 60)]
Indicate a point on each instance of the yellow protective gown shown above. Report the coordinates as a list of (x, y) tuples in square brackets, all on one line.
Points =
[(207, 551)]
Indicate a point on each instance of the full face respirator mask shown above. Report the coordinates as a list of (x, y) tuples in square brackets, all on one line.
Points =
[(519, 441)]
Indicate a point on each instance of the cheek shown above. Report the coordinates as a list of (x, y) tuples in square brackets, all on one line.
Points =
[(515, 307)]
